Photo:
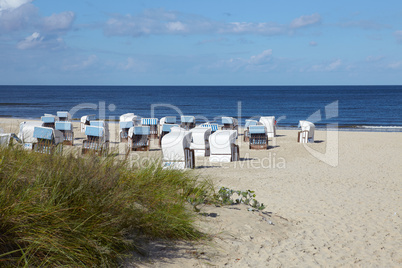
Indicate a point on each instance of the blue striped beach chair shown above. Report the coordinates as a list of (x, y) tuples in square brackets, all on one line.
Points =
[(153, 126), (258, 137), (187, 122), (67, 129), (138, 138), (249, 122), (213, 127), (48, 140), (95, 142)]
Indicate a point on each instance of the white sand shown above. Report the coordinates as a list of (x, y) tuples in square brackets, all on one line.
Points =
[(335, 210)]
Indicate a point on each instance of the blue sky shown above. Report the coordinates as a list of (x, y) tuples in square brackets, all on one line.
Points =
[(221, 42)]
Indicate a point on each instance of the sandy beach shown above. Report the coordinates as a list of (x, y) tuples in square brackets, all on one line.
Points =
[(334, 203)]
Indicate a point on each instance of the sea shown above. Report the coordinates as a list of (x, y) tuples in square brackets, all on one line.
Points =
[(375, 108)]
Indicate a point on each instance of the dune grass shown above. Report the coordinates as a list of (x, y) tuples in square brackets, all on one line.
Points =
[(89, 211)]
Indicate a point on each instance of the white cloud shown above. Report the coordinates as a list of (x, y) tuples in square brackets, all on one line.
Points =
[(160, 21), (333, 65), (31, 41), (55, 22), (81, 64), (313, 44), (395, 65), (374, 58), (364, 24), (398, 36), (263, 58), (12, 4), (328, 67), (304, 21)]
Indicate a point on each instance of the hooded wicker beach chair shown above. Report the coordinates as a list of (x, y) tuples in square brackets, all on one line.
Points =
[(67, 129), (249, 122), (49, 120), (213, 127), (165, 129), (138, 138), (307, 132), (176, 152), (85, 121), (49, 140), (5, 139), (223, 146), (104, 125), (127, 121), (96, 142), (153, 126), (26, 133), (64, 116), (258, 137), (187, 122), (229, 123), (270, 123), (200, 141)]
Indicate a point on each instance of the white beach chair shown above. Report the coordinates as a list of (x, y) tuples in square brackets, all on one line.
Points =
[(153, 126), (26, 133), (176, 149), (223, 146), (169, 120), (64, 116), (249, 122), (49, 120), (258, 137), (307, 132), (104, 125), (127, 121), (187, 122), (67, 129), (85, 121), (229, 123), (270, 123), (165, 129), (200, 141), (96, 142), (138, 138), (5, 139), (49, 140)]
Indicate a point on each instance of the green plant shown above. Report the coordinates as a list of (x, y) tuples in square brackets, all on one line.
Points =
[(243, 197)]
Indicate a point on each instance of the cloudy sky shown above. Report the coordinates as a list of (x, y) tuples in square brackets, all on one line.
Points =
[(220, 42)]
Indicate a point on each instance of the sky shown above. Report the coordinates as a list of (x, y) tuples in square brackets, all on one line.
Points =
[(220, 42)]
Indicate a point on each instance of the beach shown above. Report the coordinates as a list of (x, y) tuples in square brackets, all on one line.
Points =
[(333, 203)]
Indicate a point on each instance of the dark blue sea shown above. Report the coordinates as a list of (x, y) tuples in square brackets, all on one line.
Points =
[(351, 107)]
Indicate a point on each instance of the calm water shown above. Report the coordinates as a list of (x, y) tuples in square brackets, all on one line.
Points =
[(347, 106)]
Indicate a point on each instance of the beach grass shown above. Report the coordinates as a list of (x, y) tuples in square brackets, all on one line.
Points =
[(89, 211)]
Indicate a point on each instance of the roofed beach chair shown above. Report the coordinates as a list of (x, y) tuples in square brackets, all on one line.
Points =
[(213, 127), (63, 116), (138, 138), (5, 139), (26, 133), (49, 140), (49, 120), (67, 129), (101, 123), (165, 129), (258, 137), (187, 122), (176, 152), (170, 120), (85, 121), (223, 146), (127, 121), (249, 122), (307, 132), (270, 123), (96, 142), (153, 125), (200, 141), (229, 123)]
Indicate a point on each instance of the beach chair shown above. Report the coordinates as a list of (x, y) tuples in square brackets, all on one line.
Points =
[(213, 127), (258, 137), (270, 123), (63, 116), (169, 120), (307, 132), (96, 142), (67, 129), (153, 126), (5, 139), (104, 125), (49, 140), (138, 138), (249, 122), (229, 123), (176, 149), (223, 146), (49, 120), (85, 121), (200, 141), (165, 130), (187, 122), (127, 121), (26, 133)]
